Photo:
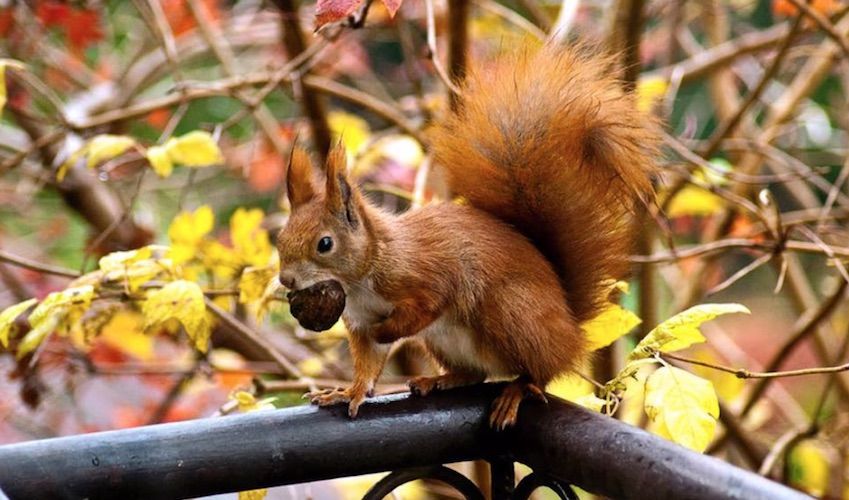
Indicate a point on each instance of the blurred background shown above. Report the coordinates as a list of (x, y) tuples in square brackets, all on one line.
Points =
[(170, 123)]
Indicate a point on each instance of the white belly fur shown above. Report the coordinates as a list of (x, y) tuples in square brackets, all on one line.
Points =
[(364, 306), (449, 339), (455, 342)]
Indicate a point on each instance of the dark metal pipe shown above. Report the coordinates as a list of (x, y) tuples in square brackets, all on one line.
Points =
[(617, 460), (269, 448)]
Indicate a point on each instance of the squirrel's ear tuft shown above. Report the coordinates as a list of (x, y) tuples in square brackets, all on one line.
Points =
[(339, 195), (300, 178)]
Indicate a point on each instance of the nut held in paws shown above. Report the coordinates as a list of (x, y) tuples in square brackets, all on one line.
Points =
[(318, 307)]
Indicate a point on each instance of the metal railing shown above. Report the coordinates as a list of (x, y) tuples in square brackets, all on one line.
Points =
[(563, 444)]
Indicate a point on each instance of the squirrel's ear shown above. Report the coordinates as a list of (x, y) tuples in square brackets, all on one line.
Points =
[(300, 182), (338, 192)]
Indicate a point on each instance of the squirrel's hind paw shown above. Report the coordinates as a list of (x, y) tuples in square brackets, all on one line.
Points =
[(505, 408)]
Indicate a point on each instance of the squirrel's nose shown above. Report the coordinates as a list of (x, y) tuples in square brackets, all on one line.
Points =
[(287, 279)]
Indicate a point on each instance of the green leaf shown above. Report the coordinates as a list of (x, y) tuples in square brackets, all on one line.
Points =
[(684, 405), (8, 316), (682, 330)]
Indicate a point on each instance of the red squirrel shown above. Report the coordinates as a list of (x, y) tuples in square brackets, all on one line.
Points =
[(552, 158)]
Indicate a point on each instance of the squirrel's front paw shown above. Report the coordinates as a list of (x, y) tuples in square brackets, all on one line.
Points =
[(326, 397)]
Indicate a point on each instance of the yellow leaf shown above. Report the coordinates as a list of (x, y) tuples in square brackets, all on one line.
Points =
[(59, 310), (249, 238), (649, 91), (133, 268), (695, 201), (311, 367), (253, 494), (630, 370), (141, 272), (2, 87), (195, 149), (569, 387), (70, 162), (727, 385), (225, 359), (160, 160), (682, 330), (222, 260), (187, 231), (37, 334), (254, 281), (248, 402), (809, 468), (353, 130), (124, 332), (120, 260), (355, 487), (105, 147), (685, 404), (269, 298), (612, 323), (4, 63), (79, 297), (591, 401), (181, 300), (8, 316)]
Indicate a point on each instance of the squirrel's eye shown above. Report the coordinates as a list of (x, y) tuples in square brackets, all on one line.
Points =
[(325, 244)]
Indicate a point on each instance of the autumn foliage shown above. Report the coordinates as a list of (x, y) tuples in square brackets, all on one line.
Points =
[(143, 154)]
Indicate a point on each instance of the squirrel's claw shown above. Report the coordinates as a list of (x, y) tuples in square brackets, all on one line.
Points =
[(326, 397), (422, 386), (505, 408)]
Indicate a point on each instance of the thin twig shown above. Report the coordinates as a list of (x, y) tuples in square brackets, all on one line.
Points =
[(824, 24), (32, 265), (433, 53), (233, 322), (746, 374)]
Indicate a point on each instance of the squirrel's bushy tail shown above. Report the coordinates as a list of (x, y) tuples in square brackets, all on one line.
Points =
[(549, 142)]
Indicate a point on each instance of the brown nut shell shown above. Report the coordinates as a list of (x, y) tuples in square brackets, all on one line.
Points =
[(319, 306)]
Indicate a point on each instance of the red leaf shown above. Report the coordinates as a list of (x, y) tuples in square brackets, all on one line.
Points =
[(52, 13), (824, 7), (159, 118), (267, 168), (392, 6), (5, 21), (83, 28), (180, 18), (328, 11)]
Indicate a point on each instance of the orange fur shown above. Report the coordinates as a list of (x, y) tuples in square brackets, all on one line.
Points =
[(550, 143), (553, 158)]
